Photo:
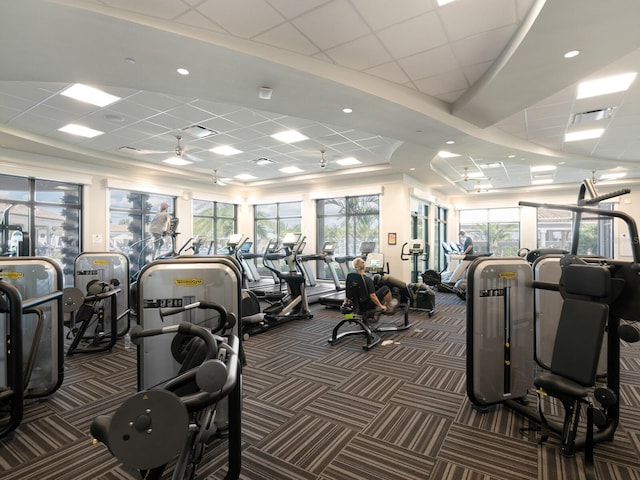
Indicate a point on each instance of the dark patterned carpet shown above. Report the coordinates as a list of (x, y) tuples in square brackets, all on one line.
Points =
[(313, 411)]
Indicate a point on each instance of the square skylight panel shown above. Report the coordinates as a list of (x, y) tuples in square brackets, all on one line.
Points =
[(177, 161), (291, 170), (87, 94), (604, 86), (345, 162), (225, 150), (79, 130), (289, 136), (583, 135), (245, 176)]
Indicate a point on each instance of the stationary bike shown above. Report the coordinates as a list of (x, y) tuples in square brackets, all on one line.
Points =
[(177, 419)]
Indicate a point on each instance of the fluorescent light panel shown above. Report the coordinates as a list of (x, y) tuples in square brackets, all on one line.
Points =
[(583, 135), (543, 168), (177, 161), (291, 170), (79, 130), (445, 154), (289, 136), (245, 176), (604, 86), (225, 150), (345, 162), (87, 94)]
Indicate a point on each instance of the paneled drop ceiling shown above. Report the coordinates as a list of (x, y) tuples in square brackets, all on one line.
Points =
[(485, 80)]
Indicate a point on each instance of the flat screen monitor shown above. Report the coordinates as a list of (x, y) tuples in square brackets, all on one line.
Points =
[(367, 247), (246, 247)]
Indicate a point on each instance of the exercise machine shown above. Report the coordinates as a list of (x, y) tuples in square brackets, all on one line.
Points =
[(314, 288), (177, 420), (596, 294), (365, 321), (291, 306), (31, 361)]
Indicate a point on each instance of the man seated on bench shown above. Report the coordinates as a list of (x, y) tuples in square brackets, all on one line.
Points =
[(379, 299)]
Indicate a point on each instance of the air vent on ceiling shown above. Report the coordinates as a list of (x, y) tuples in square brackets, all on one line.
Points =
[(593, 115), (198, 131)]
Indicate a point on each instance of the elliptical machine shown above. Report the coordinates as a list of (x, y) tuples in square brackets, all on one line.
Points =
[(293, 306)]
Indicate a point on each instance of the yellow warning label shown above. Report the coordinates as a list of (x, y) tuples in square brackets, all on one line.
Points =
[(11, 275), (507, 275), (101, 262), (188, 282)]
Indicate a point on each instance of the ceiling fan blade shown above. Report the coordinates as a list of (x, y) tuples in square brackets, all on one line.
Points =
[(142, 151)]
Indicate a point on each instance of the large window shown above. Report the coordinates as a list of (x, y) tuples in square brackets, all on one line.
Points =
[(129, 216), (494, 230), (213, 223), (272, 221), (350, 222), (555, 230), (41, 217)]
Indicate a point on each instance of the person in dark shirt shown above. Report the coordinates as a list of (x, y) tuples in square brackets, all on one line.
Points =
[(466, 242), (380, 298)]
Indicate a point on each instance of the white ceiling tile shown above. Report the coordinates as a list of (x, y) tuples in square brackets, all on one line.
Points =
[(426, 64), (453, 81), (474, 72), (465, 18), (360, 54), (287, 37), (412, 36), (332, 24), (293, 8), (166, 10), (232, 16), (483, 47), (378, 14), (193, 18), (389, 71)]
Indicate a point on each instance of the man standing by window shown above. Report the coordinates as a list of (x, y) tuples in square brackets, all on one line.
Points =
[(466, 242), (159, 226)]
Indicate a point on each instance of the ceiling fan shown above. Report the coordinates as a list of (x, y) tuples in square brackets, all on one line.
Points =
[(466, 176), (178, 151), (217, 180)]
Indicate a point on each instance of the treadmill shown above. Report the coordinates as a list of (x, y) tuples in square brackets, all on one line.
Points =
[(314, 288), (335, 299)]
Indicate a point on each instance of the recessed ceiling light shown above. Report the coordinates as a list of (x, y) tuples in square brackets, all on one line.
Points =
[(542, 168), (491, 165), (450, 142), (583, 135), (291, 170), (225, 150), (345, 162), (511, 156), (88, 94), (263, 161), (571, 53), (445, 154), (182, 71), (245, 176), (347, 110), (604, 86), (444, 2), (177, 161), (475, 175), (130, 61), (484, 186), (198, 131), (289, 136), (75, 129)]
